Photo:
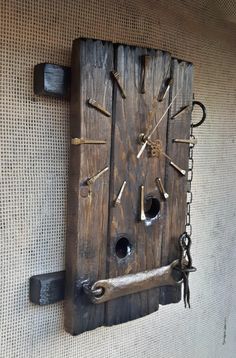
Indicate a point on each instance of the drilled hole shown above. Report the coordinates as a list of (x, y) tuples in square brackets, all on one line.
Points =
[(152, 207), (123, 248)]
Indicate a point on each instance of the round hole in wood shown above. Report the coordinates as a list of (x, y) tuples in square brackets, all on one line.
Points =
[(123, 247), (152, 207)]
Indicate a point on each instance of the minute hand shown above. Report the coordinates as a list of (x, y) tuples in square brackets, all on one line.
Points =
[(153, 130)]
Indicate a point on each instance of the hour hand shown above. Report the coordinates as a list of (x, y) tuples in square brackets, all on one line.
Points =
[(155, 127), (142, 149)]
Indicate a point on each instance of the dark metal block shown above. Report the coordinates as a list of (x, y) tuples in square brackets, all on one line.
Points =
[(47, 288), (52, 80)]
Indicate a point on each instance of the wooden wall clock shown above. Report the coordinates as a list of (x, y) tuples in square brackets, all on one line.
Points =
[(127, 191), (129, 231)]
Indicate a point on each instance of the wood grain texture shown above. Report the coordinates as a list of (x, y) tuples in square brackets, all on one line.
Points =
[(130, 118), (92, 62), (95, 225), (175, 183)]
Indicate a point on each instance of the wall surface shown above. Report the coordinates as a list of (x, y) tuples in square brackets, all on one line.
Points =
[(34, 141)]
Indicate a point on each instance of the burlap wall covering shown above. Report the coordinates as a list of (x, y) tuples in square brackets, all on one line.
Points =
[(34, 160)]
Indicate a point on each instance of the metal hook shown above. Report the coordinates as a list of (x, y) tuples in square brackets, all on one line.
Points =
[(203, 108)]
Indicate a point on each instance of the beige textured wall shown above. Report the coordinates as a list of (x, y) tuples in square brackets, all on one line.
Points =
[(34, 140)]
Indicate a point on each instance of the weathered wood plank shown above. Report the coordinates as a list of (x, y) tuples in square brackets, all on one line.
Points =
[(52, 80), (175, 183), (130, 118), (95, 227), (92, 62), (48, 288)]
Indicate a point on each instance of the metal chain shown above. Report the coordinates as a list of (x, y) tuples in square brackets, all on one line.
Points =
[(185, 261), (188, 224), (185, 266)]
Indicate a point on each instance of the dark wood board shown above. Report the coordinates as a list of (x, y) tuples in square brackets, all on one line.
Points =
[(130, 117), (92, 62), (52, 80), (94, 224), (47, 288), (175, 183)]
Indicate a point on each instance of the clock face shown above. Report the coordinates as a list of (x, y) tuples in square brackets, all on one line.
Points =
[(130, 125)]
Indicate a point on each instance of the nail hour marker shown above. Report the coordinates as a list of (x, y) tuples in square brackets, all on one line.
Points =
[(116, 77), (91, 180), (118, 199), (181, 171), (78, 141), (187, 141), (142, 212), (99, 107), (161, 188)]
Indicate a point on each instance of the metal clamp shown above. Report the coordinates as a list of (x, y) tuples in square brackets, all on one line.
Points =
[(106, 290)]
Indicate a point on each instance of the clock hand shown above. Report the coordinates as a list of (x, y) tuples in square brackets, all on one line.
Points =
[(156, 151), (142, 149), (167, 109), (142, 136), (180, 111), (165, 88), (155, 127)]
